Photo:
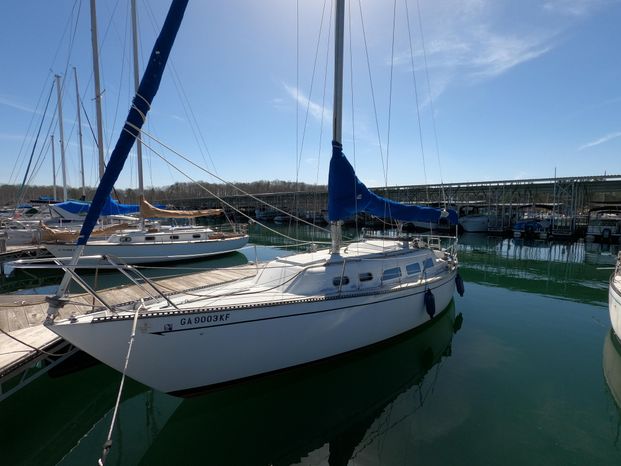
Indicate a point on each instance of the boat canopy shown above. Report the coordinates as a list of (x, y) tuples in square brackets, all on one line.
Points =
[(347, 196)]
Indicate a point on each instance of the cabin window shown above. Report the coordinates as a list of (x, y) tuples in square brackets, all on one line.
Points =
[(428, 262), (413, 269), (125, 239), (174, 236), (390, 274), (196, 236), (336, 281), (365, 277), (149, 238)]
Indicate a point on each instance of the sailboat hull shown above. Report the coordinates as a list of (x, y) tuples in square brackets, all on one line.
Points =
[(141, 253), (188, 351), (614, 299)]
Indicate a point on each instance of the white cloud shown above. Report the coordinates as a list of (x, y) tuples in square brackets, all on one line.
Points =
[(315, 110), (497, 54), (572, 7), (13, 137), (9, 102), (602, 140), (476, 40)]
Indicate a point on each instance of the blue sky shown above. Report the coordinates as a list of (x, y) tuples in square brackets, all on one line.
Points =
[(508, 89)]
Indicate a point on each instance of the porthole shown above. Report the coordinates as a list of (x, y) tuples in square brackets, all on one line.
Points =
[(365, 277)]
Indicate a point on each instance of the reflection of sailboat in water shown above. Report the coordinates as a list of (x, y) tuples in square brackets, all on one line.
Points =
[(333, 411), (611, 363)]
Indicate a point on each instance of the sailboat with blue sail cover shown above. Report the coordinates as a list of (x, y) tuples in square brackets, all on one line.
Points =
[(295, 310)]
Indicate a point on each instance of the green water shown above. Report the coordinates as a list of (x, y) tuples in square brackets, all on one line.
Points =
[(510, 374)]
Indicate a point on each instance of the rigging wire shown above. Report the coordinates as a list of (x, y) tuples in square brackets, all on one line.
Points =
[(323, 112), (70, 48), (185, 102), (353, 113), (417, 101), (300, 149), (218, 178), (390, 86), (433, 117), (22, 342), (211, 193), (34, 147), (23, 144), (387, 213), (366, 50)]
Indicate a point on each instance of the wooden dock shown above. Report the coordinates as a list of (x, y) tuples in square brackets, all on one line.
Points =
[(22, 316)]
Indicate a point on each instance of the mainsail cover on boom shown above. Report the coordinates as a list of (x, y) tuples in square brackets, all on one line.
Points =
[(150, 211), (347, 196)]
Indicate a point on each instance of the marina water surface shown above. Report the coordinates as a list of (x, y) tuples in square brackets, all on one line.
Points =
[(521, 370)]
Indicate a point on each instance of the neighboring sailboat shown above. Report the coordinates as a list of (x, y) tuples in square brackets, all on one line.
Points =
[(296, 310), (147, 244), (157, 243), (614, 298)]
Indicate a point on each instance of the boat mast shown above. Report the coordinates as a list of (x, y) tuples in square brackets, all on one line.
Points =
[(77, 96), (99, 118), (337, 112), (136, 85), (62, 136), (53, 165)]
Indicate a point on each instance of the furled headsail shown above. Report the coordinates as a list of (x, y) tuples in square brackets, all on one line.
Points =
[(347, 196), (135, 119)]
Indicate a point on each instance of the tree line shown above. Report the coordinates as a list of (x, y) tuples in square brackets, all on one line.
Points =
[(10, 194)]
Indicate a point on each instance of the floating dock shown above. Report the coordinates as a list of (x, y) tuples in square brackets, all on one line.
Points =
[(28, 349)]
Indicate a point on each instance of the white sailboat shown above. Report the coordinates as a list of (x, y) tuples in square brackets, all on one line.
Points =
[(156, 243), (614, 298), (296, 310)]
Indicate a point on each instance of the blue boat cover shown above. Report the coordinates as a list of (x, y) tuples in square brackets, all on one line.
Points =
[(347, 196), (111, 207), (141, 104)]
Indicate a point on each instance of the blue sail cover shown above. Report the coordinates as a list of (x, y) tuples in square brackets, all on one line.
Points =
[(110, 207), (135, 119), (347, 196)]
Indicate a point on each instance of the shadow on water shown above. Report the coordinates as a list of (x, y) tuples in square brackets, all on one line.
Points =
[(333, 411), (559, 269)]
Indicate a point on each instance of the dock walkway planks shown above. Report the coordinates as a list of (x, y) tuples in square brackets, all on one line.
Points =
[(22, 316)]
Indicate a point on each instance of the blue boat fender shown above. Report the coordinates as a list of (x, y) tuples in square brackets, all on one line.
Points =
[(459, 283), (430, 303)]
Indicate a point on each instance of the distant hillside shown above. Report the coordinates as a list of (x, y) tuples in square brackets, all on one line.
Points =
[(8, 193)]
